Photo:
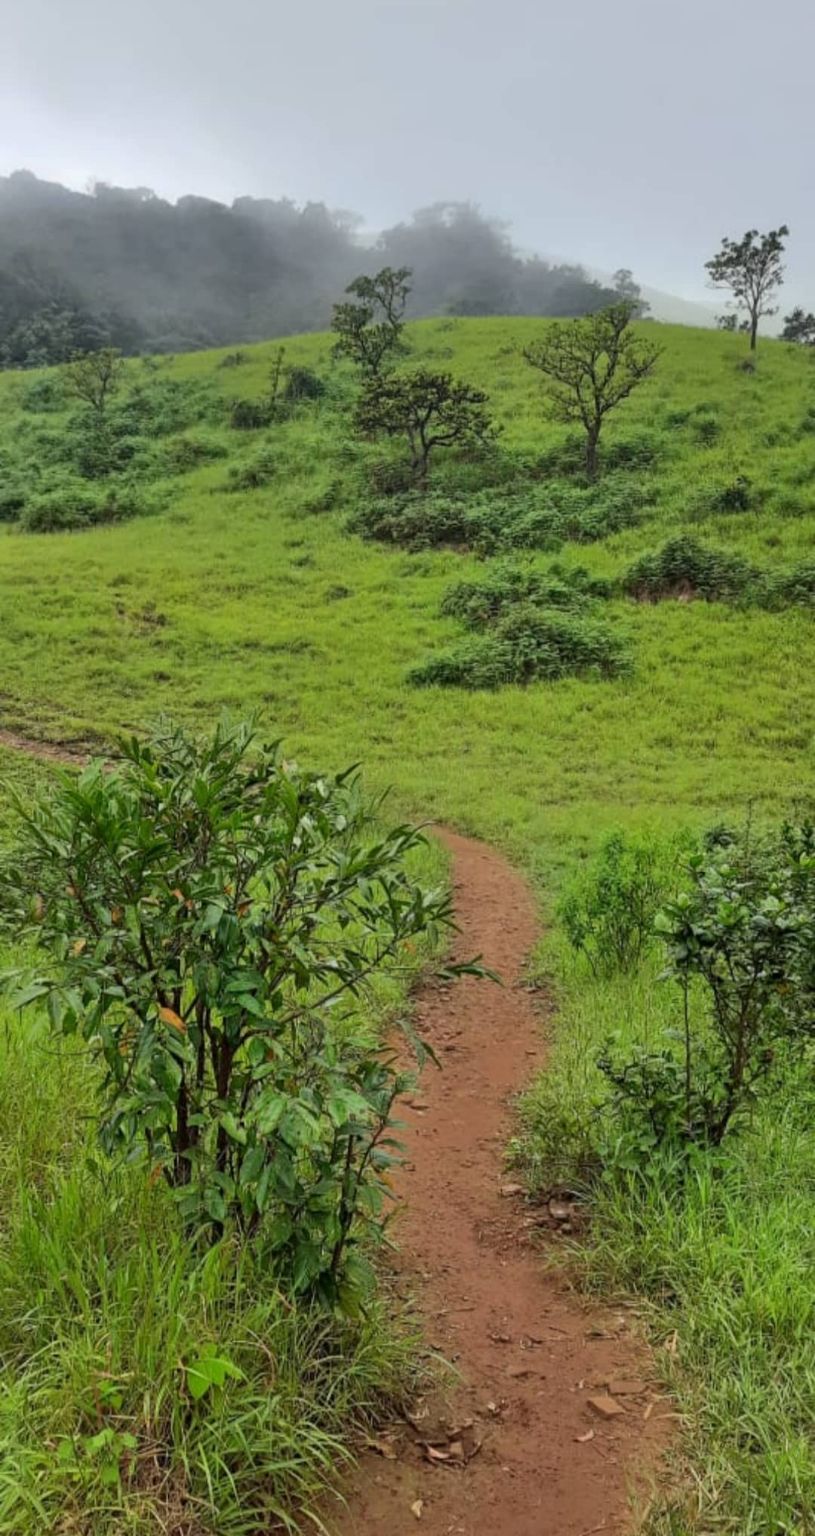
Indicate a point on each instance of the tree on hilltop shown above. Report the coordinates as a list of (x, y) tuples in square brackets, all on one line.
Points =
[(752, 270), (369, 331), (799, 327), (629, 290), (592, 365)]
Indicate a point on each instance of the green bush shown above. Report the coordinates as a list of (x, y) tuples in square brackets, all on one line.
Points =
[(302, 384), (77, 506), (608, 910), (44, 393), (207, 917), (491, 521), (255, 472), (479, 603), (526, 645), (251, 415), (182, 454), (685, 568), (790, 588)]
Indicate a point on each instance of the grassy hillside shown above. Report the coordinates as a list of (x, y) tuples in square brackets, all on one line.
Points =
[(220, 597), (259, 599)]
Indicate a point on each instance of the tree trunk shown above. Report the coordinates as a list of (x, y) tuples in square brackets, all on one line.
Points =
[(753, 332), (591, 452)]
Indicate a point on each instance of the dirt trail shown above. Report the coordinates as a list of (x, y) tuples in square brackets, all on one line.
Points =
[(527, 1453)]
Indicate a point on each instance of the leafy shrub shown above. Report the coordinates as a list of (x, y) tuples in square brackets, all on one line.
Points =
[(608, 911), (490, 521), (478, 603), (739, 939), (790, 588), (254, 473), (78, 506), (44, 393), (302, 384), (233, 359), (635, 449), (182, 454), (685, 568), (12, 501), (208, 918), (706, 428), (736, 496), (250, 415), (527, 644)]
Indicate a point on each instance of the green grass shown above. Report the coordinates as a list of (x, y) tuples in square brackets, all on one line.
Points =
[(262, 600), (103, 1309), (721, 1261)]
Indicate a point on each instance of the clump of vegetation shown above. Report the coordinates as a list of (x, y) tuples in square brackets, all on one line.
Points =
[(214, 968), (591, 366), (503, 519), (427, 411), (251, 415), (526, 644), (738, 939), (608, 910), (479, 603), (683, 567), (302, 384), (75, 506), (256, 472)]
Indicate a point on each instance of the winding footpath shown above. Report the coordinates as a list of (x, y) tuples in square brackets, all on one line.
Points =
[(549, 1425)]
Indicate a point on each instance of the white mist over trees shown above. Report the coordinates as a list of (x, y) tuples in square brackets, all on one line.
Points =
[(122, 267)]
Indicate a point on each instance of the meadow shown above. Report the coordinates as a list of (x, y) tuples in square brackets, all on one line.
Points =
[(220, 597)]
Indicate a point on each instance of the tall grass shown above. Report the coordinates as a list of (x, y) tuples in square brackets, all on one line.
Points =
[(104, 1308), (720, 1254)]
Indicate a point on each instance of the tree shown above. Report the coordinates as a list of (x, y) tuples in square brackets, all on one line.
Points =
[(799, 327), (370, 331), (94, 377), (592, 365), (752, 270), (429, 410), (626, 288), (209, 917)]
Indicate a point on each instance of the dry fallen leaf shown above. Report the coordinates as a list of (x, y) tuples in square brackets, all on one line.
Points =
[(384, 1448), (416, 1508), (169, 1016), (581, 1439)]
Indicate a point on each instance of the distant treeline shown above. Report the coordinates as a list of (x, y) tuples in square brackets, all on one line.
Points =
[(122, 267)]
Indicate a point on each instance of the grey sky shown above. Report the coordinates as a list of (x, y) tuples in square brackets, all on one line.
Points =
[(631, 133)]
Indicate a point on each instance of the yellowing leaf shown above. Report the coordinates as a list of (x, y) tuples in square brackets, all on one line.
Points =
[(78, 946), (169, 1016)]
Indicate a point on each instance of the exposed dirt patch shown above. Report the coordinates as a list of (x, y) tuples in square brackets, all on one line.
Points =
[(72, 754), (553, 1423)]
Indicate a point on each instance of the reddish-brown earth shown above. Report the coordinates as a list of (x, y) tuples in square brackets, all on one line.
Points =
[(514, 1446)]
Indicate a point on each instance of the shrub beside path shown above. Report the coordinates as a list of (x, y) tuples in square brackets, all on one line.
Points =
[(551, 1426)]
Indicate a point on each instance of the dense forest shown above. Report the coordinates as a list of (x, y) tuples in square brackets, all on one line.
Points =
[(124, 267)]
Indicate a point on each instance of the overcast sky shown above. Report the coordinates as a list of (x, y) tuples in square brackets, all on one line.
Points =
[(617, 132)]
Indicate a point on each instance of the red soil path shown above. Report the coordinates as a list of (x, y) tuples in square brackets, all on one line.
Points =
[(516, 1447)]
